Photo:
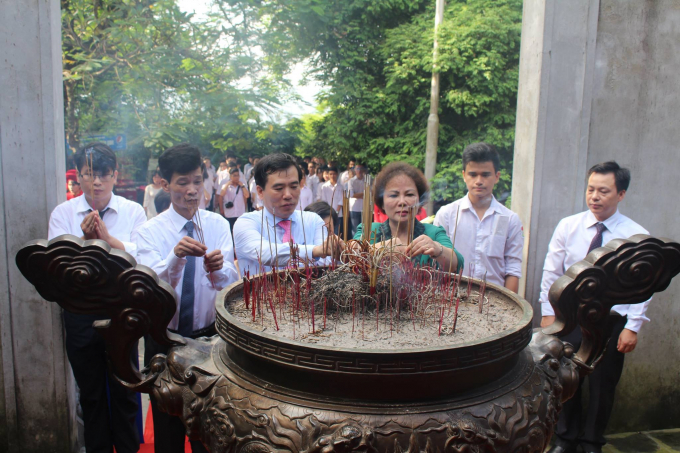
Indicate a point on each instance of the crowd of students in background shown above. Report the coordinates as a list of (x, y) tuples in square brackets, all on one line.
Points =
[(231, 191)]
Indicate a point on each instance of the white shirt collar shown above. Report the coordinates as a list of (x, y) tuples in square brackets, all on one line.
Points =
[(610, 223), (293, 217), (178, 221), (467, 204), (84, 206)]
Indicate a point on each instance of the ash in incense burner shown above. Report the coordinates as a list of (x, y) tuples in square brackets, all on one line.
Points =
[(417, 308)]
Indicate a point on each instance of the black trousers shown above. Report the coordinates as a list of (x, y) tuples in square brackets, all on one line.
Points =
[(169, 431), (109, 419), (571, 429)]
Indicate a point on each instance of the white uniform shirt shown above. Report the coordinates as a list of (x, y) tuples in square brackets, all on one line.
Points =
[(313, 183), (493, 244), (254, 197), (223, 179), (356, 186), (212, 173), (569, 245), (156, 241), (234, 194), (252, 237), (122, 218), (150, 193), (306, 198), (204, 199), (332, 194), (344, 178), (248, 170)]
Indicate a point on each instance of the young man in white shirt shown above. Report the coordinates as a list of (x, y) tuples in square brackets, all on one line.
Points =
[(233, 198), (356, 193), (306, 195), (573, 239), (278, 185), (331, 193), (348, 174), (99, 214), (488, 235), (169, 245), (313, 180), (222, 176)]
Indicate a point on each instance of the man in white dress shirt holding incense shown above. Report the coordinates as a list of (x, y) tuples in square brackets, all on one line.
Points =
[(262, 237), (193, 252), (573, 239)]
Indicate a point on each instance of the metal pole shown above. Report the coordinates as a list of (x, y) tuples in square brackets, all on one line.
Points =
[(433, 118)]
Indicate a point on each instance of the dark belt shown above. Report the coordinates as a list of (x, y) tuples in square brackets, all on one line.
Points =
[(204, 332)]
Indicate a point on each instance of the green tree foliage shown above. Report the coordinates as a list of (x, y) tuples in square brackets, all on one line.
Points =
[(161, 76), (376, 58)]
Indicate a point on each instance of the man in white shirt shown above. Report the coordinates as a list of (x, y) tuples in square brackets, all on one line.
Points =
[(232, 162), (248, 168), (209, 168), (99, 214), (222, 176), (331, 193), (356, 193), (313, 180), (233, 198), (488, 235), (348, 174), (573, 239), (278, 185), (169, 244), (306, 195)]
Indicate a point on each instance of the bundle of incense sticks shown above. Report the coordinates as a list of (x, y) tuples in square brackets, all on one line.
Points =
[(90, 165), (453, 242), (367, 211), (345, 214), (198, 228), (412, 211)]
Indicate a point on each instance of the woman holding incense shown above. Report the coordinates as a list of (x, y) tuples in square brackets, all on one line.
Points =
[(398, 191)]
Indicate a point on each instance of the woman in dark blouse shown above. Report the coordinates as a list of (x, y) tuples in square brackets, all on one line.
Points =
[(397, 187)]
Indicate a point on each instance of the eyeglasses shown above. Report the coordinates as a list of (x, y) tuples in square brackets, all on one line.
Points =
[(103, 178)]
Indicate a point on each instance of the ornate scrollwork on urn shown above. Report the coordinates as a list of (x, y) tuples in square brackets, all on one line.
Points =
[(624, 271), (88, 277)]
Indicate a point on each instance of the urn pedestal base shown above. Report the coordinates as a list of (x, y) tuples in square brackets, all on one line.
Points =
[(231, 410)]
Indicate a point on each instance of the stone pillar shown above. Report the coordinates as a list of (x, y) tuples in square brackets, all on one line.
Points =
[(598, 81), (36, 391)]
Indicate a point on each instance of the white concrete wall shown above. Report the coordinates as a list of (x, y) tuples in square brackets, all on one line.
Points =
[(608, 88), (35, 389)]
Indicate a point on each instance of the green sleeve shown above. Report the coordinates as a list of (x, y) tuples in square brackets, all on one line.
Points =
[(443, 238), (360, 232)]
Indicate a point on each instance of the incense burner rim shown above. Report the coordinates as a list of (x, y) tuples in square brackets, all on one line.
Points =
[(222, 312)]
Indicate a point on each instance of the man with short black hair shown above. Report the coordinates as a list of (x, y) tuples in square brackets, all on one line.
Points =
[(109, 409), (348, 174), (356, 193), (169, 244), (574, 238), (331, 193), (488, 235), (278, 186), (313, 180)]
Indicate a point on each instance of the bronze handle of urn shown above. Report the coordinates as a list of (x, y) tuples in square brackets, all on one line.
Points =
[(89, 277), (624, 271)]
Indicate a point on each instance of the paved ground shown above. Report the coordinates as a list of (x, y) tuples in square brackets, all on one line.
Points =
[(644, 442), (666, 441)]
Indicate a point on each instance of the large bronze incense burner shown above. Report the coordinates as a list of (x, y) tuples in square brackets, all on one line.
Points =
[(249, 391)]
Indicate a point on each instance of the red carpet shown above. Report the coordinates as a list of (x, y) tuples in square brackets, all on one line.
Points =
[(147, 446)]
